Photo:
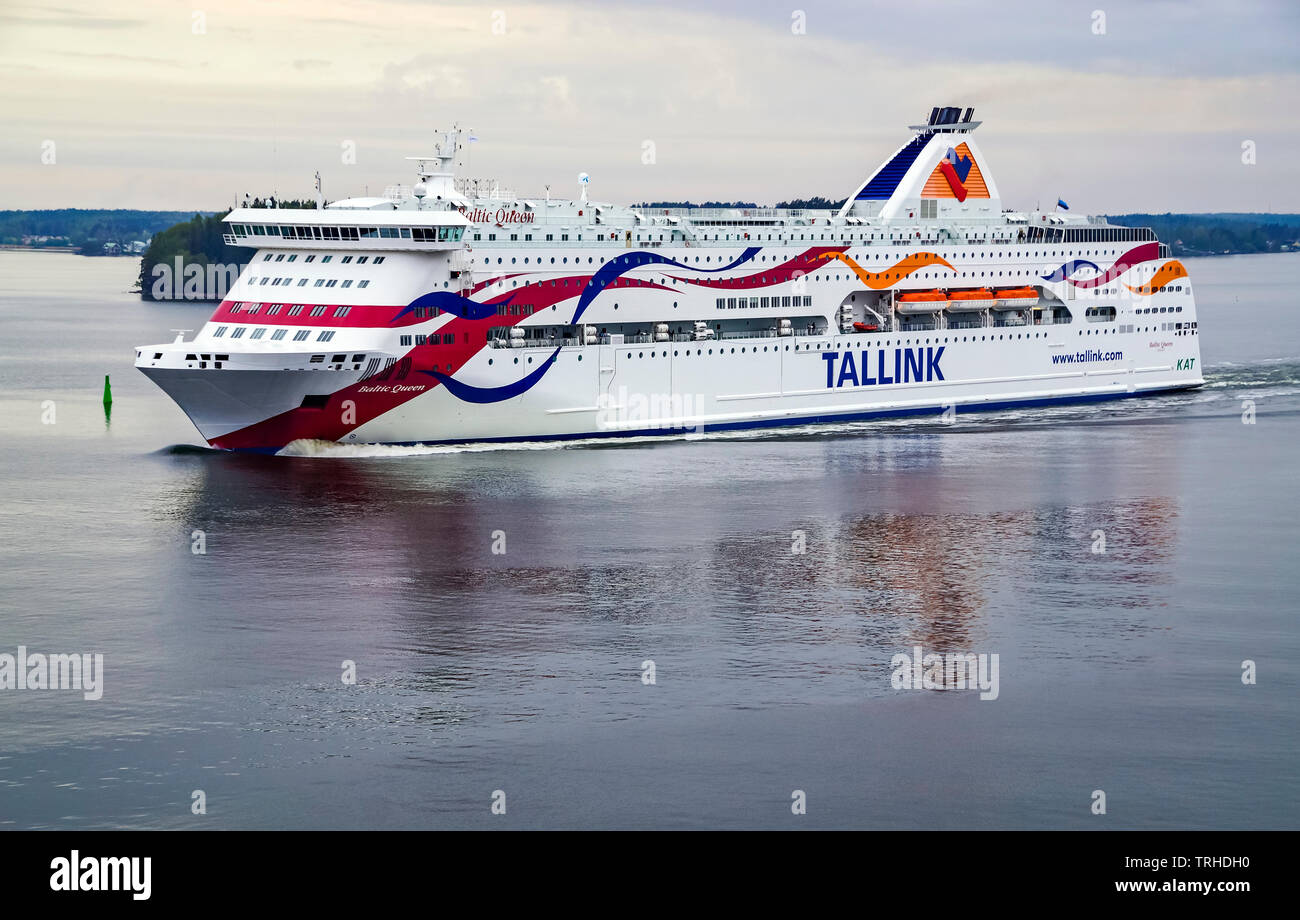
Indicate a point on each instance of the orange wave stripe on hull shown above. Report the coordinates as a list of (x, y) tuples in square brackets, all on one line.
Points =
[(879, 280), (1170, 271)]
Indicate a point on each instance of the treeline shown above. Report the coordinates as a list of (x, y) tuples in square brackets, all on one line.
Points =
[(1186, 234), (1219, 234), (85, 229), (197, 241), (812, 203), (691, 204)]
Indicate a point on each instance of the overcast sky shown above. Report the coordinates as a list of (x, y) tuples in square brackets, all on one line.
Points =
[(153, 104)]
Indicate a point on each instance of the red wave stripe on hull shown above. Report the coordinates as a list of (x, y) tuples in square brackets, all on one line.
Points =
[(1135, 256)]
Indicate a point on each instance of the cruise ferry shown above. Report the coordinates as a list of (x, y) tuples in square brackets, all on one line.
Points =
[(454, 311)]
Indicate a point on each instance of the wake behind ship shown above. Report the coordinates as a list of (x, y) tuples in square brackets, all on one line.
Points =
[(447, 312)]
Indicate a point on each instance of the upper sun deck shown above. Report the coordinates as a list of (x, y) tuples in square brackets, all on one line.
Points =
[(297, 228), (492, 224), (935, 190)]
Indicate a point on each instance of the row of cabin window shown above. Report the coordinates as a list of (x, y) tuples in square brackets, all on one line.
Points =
[(293, 257), (447, 338), (865, 257), (733, 303), (300, 336), (421, 234), (861, 236), (294, 310), (302, 282)]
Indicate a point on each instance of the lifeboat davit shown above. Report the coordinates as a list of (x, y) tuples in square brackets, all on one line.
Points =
[(1017, 298), (920, 302), (968, 301)]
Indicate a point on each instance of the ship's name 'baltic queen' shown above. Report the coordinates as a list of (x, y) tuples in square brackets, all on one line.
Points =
[(499, 216)]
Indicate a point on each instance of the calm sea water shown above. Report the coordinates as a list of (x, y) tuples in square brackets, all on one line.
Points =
[(523, 672)]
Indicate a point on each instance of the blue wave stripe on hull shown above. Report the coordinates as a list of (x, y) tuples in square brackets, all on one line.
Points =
[(620, 265), (470, 393)]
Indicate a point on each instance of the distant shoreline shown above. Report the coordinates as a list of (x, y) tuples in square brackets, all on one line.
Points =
[(73, 249)]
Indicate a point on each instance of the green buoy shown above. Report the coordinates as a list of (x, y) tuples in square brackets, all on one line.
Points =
[(108, 392)]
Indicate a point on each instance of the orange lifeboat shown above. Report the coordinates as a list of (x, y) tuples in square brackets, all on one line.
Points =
[(1017, 298), (920, 302), (968, 301)]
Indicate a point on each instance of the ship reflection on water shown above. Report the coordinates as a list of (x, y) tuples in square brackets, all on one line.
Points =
[(399, 555)]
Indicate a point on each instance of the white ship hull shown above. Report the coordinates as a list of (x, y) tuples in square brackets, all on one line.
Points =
[(666, 388)]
